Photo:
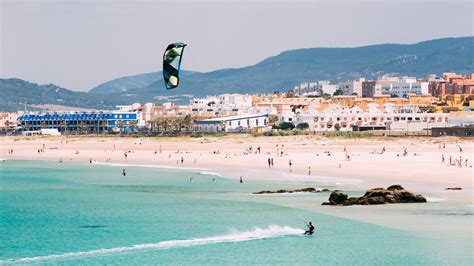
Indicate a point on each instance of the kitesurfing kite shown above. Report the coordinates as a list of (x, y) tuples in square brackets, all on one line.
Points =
[(172, 64)]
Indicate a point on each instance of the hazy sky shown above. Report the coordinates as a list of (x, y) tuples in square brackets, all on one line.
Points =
[(80, 44)]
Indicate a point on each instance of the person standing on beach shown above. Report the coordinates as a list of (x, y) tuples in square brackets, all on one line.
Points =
[(182, 160), (241, 181), (442, 158), (309, 170), (290, 163), (272, 162), (269, 162)]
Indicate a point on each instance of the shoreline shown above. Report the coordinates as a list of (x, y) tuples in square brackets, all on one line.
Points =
[(230, 157)]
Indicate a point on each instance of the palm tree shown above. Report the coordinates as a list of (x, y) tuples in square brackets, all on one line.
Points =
[(178, 123), (82, 128), (222, 125), (103, 124), (188, 122), (63, 125), (165, 123), (272, 119), (133, 124), (120, 124)]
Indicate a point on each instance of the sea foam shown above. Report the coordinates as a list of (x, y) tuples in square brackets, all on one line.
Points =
[(256, 233), (210, 173), (433, 199)]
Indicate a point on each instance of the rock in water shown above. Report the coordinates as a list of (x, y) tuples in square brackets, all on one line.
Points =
[(337, 197), (308, 189), (393, 194), (395, 187)]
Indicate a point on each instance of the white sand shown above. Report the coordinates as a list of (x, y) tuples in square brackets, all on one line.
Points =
[(421, 173)]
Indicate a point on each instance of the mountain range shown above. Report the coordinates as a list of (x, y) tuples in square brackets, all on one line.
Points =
[(276, 73)]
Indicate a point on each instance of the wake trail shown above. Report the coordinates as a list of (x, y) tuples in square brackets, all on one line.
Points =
[(257, 233)]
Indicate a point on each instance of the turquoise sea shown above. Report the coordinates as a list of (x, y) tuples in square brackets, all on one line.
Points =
[(66, 213)]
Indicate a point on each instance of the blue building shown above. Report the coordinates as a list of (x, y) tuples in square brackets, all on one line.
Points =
[(86, 122)]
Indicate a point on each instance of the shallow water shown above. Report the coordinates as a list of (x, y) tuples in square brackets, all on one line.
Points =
[(88, 214)]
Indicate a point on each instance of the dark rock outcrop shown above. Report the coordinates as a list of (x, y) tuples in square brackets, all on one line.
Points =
[(393, 194), (308, 189), (453, 188)]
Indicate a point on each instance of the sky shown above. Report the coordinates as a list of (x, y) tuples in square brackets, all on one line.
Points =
[(79, 44)]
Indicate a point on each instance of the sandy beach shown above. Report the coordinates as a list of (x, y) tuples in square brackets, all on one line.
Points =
[(352, 163)]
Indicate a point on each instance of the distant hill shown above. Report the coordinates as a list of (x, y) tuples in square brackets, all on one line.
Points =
[(124, 84), (14, 93), (277, 73), (283, 71)]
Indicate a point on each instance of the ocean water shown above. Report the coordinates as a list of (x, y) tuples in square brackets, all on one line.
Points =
[(65, 213)]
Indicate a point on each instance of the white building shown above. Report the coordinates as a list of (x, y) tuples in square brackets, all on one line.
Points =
[(315, 88), (42, 132), (240, 123), (400, 86), (339, 118), (351, 87), (221, 105)]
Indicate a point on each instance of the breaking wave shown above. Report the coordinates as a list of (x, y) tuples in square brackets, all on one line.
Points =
[(433, 199), (210, 173)]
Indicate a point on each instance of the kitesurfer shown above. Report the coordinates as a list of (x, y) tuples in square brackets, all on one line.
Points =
[(310, 230)]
